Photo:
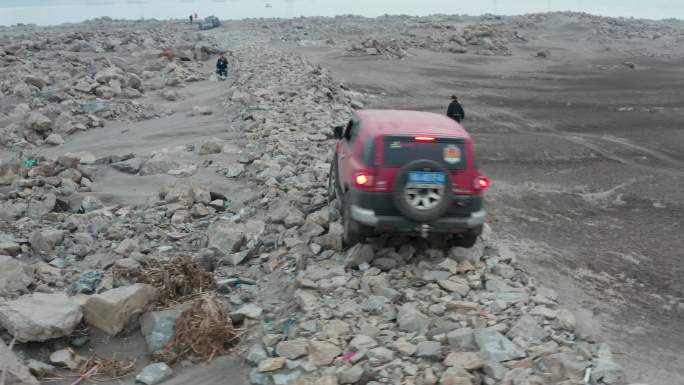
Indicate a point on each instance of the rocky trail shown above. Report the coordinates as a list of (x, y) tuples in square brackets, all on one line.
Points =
[(158, 225)]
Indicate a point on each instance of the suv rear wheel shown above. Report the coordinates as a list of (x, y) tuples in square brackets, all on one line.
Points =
[(423, 202), (354, 232), (333, 182)]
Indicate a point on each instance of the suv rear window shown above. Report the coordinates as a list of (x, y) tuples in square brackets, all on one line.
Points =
[(399, 150)]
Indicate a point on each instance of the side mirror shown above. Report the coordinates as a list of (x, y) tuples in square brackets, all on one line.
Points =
[(338, 131)]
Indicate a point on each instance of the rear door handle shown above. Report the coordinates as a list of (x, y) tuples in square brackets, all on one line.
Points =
[(342, 156)]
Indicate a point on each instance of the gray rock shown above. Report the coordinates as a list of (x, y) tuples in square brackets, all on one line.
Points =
[(256, 354), (90, 203), (455, 285), (111, 311), (380, 356), (131, 166), (13, 370), (461, 254), (251, 311), (495, 347), (154, 374), (226, 237), (234, 170), (358, 254), (208, 148), (412, 320), (272, 364), (257, 378), (40, 317), (463, 360), (349, 374), (323, 353), (606, 370), (15, 276), (38, 122), (201, 110), (528, 329), (463, 338), (333, 239), (39, 368), (45, 241), (336, 328), (435, 275), (10, 248), (66, 358), (158, 327), (429, 349), (292, 349), (286, 379), (494, 370), (566, 320), (54, 139), (362, 342)]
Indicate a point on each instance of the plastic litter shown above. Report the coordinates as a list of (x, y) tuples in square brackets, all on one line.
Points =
[(31, 163)]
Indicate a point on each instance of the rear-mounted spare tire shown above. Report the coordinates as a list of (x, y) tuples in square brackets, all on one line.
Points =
[(422, 203)]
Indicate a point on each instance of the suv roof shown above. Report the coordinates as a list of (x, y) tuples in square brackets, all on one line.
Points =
[(392, 122)]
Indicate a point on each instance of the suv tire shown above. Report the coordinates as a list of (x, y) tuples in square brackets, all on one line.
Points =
[(399, 192), (354, 232), (333, 181)]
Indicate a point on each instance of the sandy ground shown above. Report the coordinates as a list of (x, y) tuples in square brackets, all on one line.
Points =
[(586, 158)]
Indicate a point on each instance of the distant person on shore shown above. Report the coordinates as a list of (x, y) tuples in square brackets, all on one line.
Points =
[(222, 66), (190, 19), (455, 110), (196, 16)]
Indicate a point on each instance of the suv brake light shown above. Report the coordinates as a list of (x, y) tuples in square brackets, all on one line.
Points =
[(363, 180), (482, 183), (424, 138)]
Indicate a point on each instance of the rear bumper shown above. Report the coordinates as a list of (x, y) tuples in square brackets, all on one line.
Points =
[(368, 217)]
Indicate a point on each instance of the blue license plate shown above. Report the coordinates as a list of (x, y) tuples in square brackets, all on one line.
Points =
[(425, 177)]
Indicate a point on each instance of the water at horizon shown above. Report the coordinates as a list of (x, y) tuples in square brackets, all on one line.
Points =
[(50, 12)]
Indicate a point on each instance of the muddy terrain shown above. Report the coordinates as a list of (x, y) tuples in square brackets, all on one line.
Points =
[(152, 213)]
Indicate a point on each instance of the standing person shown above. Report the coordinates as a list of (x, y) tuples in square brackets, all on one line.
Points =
[(455, 110), (191, 19), (195, 16), (222, 66)]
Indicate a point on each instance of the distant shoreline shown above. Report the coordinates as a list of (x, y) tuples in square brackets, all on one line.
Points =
[(57, 12)]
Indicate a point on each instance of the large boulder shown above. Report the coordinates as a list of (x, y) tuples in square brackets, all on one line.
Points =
[(14, 275), (12, 370), (40, 317), (112, 310)]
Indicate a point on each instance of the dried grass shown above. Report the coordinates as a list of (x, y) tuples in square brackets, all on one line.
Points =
[(202, 332), (98, 366), (177, 281)]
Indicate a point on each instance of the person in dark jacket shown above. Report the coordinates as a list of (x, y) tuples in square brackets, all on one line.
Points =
[(222, 66), (455, 110)]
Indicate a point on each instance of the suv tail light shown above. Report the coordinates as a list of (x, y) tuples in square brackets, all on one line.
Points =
[(482, 183), (364, 180), (424, 138)]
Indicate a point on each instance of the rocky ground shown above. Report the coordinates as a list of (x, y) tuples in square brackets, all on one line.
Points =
[(154, 218)]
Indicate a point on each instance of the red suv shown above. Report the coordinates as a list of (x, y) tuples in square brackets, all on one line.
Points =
[(406, 172)]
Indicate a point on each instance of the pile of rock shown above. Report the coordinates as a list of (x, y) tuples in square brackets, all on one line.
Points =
[(55, 90), (394, 311), (391, 49)]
